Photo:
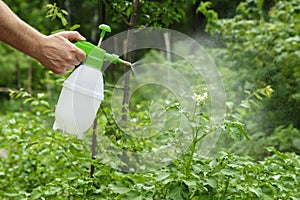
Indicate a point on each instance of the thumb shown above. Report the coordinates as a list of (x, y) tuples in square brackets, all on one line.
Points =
[(72, 35)]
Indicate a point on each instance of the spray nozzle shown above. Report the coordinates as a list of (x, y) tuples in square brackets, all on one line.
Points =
[(96, 55), (126, 63)]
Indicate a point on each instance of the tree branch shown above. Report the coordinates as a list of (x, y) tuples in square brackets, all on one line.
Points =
[(134, 14), (4, 90), (123, 18)]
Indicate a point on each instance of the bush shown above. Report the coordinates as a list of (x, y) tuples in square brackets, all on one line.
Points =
[(38, 163), (262, 48)]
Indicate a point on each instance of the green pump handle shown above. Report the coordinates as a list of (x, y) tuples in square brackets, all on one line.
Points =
[(95, 55)]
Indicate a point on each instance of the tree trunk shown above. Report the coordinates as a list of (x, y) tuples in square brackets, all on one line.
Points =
[(4, 90), (29, 81), (69, 10), (19, 83), (94, 146), (129, 56), (29, 78), (48, 88), (94, 139), (167, 39)]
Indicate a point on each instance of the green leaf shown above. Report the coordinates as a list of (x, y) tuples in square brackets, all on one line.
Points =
[(26, 194), (64, 12), (74, 27), (28, 100), (11, 194), (229, 172), (258, 96), (52, 190), (296, 143), (162, 176), (257, 191), (178, 191), (40, 95), (190, 183), (35, 194), (212, 182), (119, 189), (64, 21), (236, 129)]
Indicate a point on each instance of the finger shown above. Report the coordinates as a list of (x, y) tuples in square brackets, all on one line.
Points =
[(58, 70), (73, 57), (69, 67), (62, 71), (63, 67), (80, 55), (72, 35)]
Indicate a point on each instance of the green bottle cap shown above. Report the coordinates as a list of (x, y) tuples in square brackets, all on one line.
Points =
[(95, 58), (94, 55)]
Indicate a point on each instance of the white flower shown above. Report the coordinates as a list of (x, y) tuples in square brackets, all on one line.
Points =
[(200, 99)]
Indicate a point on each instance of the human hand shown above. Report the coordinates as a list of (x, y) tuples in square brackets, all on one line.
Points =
[(58, 54)]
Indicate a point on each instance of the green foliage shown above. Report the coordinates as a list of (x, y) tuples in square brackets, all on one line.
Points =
[(10, 60), (285, 139), (56, 12), (241, 112), (259, 53), (38, 163), (209, 14), (15, 74), (36, 157), (149, 13), (262, 48), (38, 104)]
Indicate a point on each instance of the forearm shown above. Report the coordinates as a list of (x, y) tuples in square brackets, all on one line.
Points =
[(17, 33), (55, 52)]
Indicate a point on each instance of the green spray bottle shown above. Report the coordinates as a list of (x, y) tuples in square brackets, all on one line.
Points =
[(83, 90)]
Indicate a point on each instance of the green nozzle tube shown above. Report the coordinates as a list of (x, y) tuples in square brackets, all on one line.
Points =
[(112, 58)]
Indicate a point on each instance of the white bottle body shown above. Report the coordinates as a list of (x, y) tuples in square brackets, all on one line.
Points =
[(79, 100)]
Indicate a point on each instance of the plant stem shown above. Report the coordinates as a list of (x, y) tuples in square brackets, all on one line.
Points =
[(189, 163), (194, 142), (94, 146)]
